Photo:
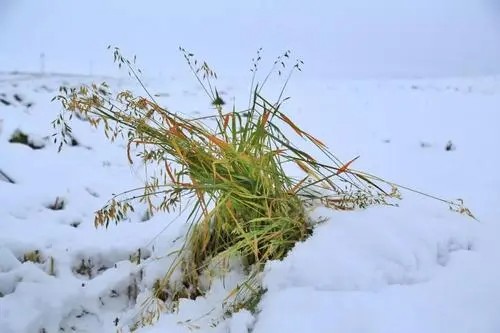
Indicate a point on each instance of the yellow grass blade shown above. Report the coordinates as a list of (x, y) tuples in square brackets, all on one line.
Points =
[(344, 167), (226, 121), (297, 186), (265, 118), (316, 141), (291, 124), (219, 142)]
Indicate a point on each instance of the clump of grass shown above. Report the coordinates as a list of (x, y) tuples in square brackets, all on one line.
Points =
[(19, 137), (37, 257), (136, 257), (33, 256), (58, 204), (22, 138), (85, 268), (232, 169)]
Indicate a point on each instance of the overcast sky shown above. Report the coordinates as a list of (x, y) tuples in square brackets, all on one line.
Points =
[(336, 38)]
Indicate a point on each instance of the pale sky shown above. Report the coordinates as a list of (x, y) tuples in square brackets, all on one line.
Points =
[(336, 38)]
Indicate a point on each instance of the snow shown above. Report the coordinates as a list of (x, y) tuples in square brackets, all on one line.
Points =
[(414, 268)]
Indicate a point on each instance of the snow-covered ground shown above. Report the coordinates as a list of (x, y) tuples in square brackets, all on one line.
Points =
[(415, 268)]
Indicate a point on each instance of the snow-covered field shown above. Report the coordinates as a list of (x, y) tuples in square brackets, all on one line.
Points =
[(414, 268)]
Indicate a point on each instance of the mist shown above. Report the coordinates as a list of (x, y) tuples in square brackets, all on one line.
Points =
[(338, 39)]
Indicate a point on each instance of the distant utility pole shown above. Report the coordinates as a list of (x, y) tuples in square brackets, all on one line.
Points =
[(42, 63)]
